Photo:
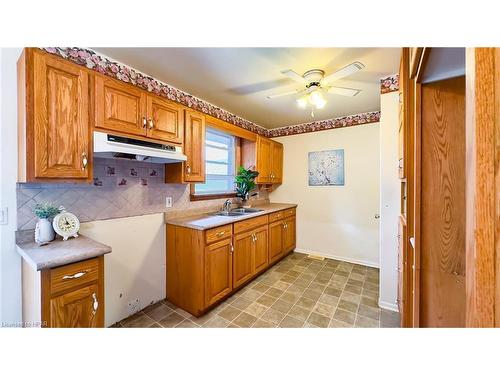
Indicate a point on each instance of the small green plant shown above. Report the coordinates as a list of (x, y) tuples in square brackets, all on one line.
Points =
[(245, 182), (46, 210)]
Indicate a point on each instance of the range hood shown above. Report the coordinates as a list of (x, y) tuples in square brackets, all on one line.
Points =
[(117, 147)]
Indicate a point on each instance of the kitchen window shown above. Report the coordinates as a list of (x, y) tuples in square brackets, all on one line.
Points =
[(220, 159)]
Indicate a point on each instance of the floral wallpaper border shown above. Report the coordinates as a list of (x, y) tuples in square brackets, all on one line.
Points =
[(94, 61), (333, 123), (389, 84), (101, 64)]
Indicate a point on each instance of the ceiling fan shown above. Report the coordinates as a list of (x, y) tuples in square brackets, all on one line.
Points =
[(316, 84)]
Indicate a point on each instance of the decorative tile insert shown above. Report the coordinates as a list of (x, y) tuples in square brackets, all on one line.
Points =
[(121, 188), (389, 84)]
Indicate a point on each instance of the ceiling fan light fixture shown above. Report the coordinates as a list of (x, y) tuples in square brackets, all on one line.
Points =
[(316, 99)]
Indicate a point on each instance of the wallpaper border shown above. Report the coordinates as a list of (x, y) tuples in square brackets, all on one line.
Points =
[(389, 84)]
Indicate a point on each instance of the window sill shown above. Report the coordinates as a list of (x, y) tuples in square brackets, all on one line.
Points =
[(205, 197)]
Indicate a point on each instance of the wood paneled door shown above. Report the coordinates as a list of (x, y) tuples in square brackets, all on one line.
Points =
[(56, 112), (76, 309), (275, 241), (194, 147), (261, 244), (119, 107), (243, 258), (289, 234), (218, 271), (165, 120)]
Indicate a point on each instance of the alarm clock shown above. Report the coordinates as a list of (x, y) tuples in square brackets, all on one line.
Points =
[(66, 225)]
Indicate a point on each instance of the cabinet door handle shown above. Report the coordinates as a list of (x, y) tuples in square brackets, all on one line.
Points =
[(220, 234), (75, 276), (85, 161), (95, 305), (144, 122), (188, 169), (151, 124), (254, 237), (232, 248)]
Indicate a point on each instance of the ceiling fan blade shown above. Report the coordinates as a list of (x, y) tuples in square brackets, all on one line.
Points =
[(284, 94), (344, 72), (295, 76), (345, 91)]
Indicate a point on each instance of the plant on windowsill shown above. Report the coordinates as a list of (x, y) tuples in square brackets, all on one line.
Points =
[(245, 183), (44, 232)]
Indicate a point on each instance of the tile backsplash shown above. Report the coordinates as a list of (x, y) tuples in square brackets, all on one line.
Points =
[(121, 188)]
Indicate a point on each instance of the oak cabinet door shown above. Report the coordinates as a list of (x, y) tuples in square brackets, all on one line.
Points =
[(289, 234), (119, 107), (77, 309), (275, 241), (194, 147), (276, 163), (263, 160), (61, 119), (243, 258), (218, 271), (165, 120), (261, 249)]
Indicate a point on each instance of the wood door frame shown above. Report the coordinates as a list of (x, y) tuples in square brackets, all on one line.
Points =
[(482, 187)]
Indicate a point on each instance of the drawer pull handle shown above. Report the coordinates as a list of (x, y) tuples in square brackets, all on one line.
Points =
[(95, 305), (220, 234), (75, 276)]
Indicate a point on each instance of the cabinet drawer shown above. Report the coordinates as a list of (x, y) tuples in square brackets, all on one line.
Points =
[(72, 275), (289, 212), (219, 233), (276, 216), (245, 225)]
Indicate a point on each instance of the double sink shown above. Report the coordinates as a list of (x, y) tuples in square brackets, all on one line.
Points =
[(237, 212)]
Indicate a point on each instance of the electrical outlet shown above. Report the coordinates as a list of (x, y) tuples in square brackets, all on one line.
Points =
[(168, 202)]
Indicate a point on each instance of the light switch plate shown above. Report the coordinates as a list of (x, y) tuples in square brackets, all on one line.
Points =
[(168, 202), (4, 216)]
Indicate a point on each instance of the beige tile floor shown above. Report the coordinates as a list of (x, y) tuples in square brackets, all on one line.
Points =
[(297, 292)]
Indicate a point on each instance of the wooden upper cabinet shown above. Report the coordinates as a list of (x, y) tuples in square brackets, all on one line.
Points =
[(165, 120), (243, 258), (119, 107), (194, 147), (276, 162), (218, 271), (76, 309), (263, 156), (261, 244), (54, 132)]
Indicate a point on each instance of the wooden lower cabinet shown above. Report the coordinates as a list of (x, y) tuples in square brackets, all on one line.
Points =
[(206, 266), (73, 295), (218, 271)]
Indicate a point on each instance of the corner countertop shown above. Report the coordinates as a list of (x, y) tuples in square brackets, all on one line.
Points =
[(59, 253), (208, 221)]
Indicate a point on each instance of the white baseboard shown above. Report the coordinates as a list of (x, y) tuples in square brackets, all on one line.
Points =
[(344, 259), (388, 306)]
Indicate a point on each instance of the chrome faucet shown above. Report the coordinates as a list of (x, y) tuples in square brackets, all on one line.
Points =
[(226, 206)]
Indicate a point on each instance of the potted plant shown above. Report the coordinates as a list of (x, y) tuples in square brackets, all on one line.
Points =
[(44, 232), (245, 183)]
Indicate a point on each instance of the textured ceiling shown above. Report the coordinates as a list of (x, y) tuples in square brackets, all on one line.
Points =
[(239, 79)]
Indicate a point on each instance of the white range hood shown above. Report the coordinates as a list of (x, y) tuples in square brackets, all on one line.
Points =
[(117, 147)]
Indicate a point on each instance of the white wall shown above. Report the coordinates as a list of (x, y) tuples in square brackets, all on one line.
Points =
[(335, 221), (135, 269), (10, 263), (389, 199)]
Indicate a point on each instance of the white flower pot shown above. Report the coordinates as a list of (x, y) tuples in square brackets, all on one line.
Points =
[(44, 232)]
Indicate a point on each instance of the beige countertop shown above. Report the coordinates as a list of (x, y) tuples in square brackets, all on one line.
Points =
[(207, 221), (59, 252)]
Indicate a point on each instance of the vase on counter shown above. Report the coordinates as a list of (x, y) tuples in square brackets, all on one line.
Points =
[(245, 202), (44, 232)]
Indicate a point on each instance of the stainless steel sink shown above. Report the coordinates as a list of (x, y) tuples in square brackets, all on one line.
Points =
[(237, 212)]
